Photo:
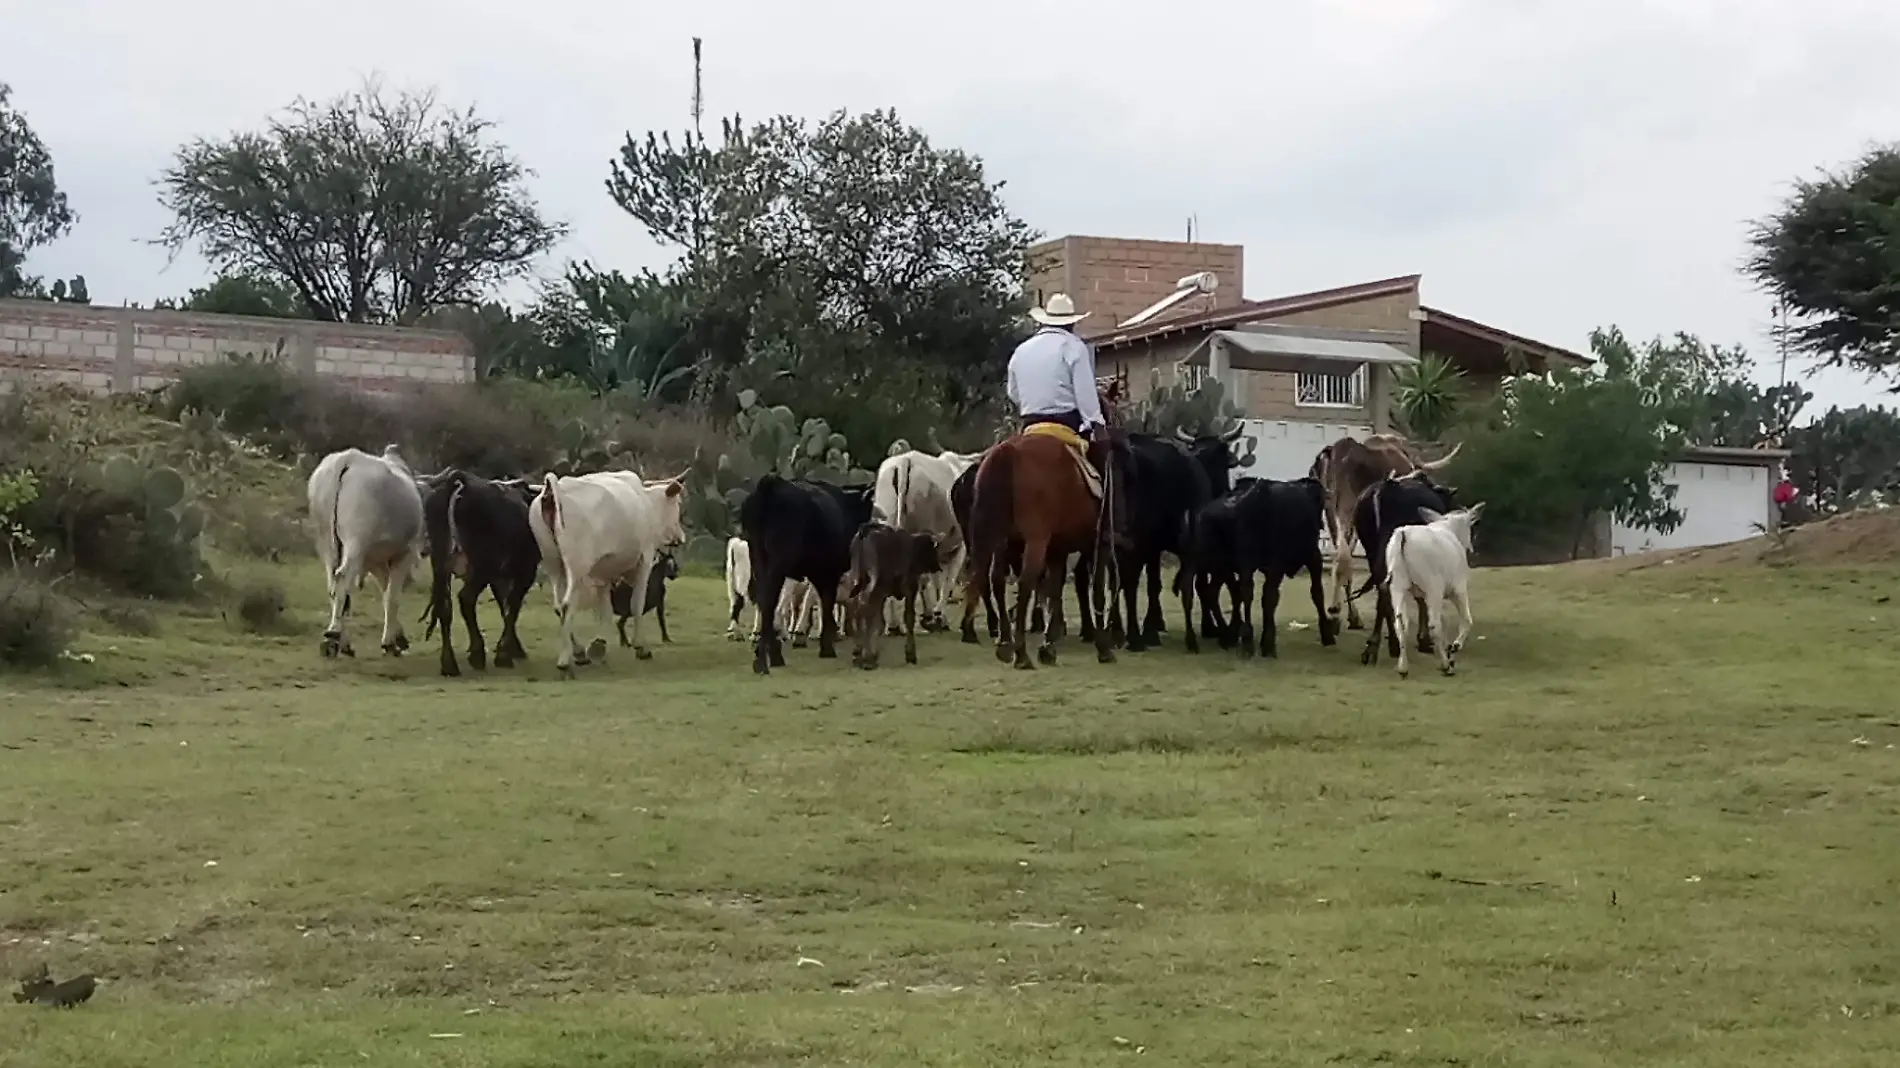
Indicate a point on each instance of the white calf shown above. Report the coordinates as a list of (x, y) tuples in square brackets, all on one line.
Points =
[(595, 530), (368, 516), (1432, 563), (797, 600)]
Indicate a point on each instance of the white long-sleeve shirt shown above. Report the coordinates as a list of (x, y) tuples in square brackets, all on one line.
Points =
[(1054, 371)]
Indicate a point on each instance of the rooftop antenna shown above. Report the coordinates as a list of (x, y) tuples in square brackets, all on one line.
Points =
[(1193, 224), (699, 98)]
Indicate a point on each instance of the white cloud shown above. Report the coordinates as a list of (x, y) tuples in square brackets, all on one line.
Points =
[(1546, 166)]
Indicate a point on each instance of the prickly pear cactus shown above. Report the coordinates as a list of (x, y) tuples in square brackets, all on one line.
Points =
[(169, 525), (1171, 409), (772, 441)]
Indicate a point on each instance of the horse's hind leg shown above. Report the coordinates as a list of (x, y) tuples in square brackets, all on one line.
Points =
[(998, 594), (1027, 586), (1052, 585)]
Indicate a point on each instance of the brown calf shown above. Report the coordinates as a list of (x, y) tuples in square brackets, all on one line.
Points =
[(1347, 469), (885, 563)]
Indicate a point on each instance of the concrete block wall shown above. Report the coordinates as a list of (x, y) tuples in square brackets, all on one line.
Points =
[(118, 350), (1115, 277)]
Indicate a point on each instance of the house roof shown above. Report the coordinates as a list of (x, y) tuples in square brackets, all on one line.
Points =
[(1265, 348), (1253, 310), (1449, 335)]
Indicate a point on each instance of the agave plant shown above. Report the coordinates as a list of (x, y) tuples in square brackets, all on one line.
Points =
[(1429, 394)]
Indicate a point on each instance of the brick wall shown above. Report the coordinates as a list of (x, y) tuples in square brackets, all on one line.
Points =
[(1116, 277), (124, 349)]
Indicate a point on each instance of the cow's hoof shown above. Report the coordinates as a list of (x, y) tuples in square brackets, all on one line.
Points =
[(479, 660), (799, 641), (1192, 644), (893, 632), (393, 649), (624, 643), (1047, 655), (566, 671), (777, 658), (504, 659), (1353, 624), (641, 652), (1105, 656), (1003, 652), (759, 668), (597, 650), (969, 636), (827, 654), (330, 647), (450, 669), (910, 656), (1023, 663)]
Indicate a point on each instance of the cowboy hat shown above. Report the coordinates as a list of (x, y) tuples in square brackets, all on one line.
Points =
[(1059, 311)]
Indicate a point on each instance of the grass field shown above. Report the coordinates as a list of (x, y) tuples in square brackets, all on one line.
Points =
[(1653, 822)]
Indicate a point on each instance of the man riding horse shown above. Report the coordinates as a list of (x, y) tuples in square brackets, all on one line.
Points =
[(1046, 488)]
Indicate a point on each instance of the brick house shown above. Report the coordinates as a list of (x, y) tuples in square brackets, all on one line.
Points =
[(1305, 369), (1310, 368)]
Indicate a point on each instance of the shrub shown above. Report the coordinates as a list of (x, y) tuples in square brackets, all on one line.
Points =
[(264, 532), (261, 606), (35, 624), (128, 619)]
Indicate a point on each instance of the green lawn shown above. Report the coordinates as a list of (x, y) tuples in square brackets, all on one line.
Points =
[(1653, 822)]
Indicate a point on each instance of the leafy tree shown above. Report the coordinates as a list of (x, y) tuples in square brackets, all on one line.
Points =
[(33, 211), (1553, 451), (1846, 457), (621, 334), (243, 293), (855, 242), (368, 209), (1831, 256)]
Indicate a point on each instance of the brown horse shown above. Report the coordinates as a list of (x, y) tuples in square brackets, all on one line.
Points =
[(1031, 495)]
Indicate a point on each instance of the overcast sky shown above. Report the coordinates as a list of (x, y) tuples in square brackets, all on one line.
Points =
[(1548, 167)]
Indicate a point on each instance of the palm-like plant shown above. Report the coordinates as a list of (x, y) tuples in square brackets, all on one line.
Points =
[(1429, 395)]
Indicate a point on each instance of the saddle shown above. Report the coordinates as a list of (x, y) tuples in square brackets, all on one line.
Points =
[(1077, 448)]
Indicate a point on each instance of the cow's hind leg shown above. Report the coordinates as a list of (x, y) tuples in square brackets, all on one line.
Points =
[(1426, 638), (1327, 624), (827, 590), (910, 626), (471, 599), (1402, 609), (509, 596), (336, 641), (395, 643)]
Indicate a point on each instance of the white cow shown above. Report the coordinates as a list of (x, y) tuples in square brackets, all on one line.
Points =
[(912, 493), (797, 594), (1432, 562), (368, 516), (595, 530)]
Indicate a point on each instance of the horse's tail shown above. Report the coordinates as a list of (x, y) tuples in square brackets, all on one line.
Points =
[(992, 510)]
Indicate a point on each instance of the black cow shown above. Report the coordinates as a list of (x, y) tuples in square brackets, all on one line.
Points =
[(1383, 508), (1171, 481), (665, 570), (478, 530), (799, 529), (1270, 527)]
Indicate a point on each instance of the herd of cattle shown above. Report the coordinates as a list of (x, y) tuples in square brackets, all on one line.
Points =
[(808, 547)]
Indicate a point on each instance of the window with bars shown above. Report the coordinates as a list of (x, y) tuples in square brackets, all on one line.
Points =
[(1317, 389)]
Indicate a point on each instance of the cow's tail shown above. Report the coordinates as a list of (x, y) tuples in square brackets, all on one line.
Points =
[(1398, 575), (551, 508), (336, 536), (863, 566), (903, 493), (444, 542)]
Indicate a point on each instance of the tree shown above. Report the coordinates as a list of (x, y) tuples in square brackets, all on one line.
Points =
[(1847, 458), (1554, 451), (244, 293), (855, 242), (33, 211), (368, 209), (1831, 256)]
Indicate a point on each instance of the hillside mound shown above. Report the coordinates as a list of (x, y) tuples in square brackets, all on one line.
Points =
[(1871, 536)]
